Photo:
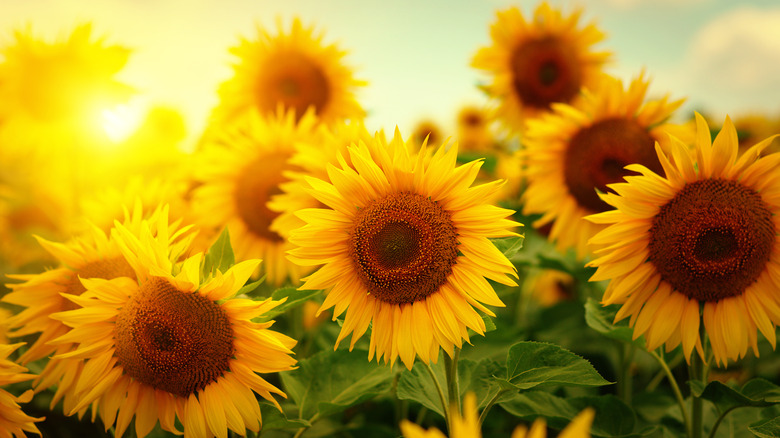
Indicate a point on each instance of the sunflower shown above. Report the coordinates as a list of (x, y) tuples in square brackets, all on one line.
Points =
[(474, 130), (239, 173), (466, 425), (64, 83), (550, 286), (404, 244), (574, 151), (700, 244), (159, 346), (92, 255), (427, 128), (294, 70), (537, 63), (13, 421)]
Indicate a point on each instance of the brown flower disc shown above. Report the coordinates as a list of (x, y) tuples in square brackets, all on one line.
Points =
[(545, 71), (106, 269), (173, 340), (294, 80), (596, 156), (255, 186), (404, 246), (712, 240)]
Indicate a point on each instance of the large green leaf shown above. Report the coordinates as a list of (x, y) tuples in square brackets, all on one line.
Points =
[(756, 393), (537, 364), (220, 256), (295, 297), (274, 419), (600, 318), (331, 381), (613, 417), (477, 377), (766, 428)]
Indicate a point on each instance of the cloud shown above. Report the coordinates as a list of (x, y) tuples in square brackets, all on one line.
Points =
[(735, 58)]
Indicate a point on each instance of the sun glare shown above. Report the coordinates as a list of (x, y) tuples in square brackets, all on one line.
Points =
[(121, 121)]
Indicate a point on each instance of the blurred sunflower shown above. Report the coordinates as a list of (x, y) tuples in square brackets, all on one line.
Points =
[(574, 151), (705, 237), (466, 425), (404, 244), (92, 255), (13, 421), (537, 63), (294, 70), (429, 129), (164, 344), (752, 128), (550, 286), (62, 84), (239, 173), (474, 130)]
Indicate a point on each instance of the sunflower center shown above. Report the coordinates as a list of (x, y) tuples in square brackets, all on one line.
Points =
[(295, 81), (255, 186), (712, 240), (106, 269), (596, 156), (173, 340), (545, 71), (404, 246)]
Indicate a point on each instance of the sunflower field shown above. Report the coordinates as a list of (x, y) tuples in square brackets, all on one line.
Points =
[(575, 258)]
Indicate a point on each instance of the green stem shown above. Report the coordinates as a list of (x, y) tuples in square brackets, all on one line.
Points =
[(675, 389), (489, 405), (695, 374), (720, 418), (625, 387), (421, 415), (300, 431), (453, 386), (656, 380), (441, 393)]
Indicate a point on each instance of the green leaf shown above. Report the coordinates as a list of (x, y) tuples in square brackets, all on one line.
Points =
[(275, 419), (613, 417), (766, 428), (489, 324), (756, 393), (476, 377), (219, 256), (537, 364), (600, 318), (331, 381), (295, 298), (250, 287), (417, 385), (509, 246)]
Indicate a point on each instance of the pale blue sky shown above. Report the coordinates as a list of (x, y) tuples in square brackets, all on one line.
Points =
[(724, 56)]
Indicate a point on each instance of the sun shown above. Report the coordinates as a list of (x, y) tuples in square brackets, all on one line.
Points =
[(575, 151), (403, 246), (700, 244), (536, 62), (294, 70)]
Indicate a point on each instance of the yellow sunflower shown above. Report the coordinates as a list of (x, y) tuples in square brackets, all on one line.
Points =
[(239, 173), (294, 70), (68, 82), (13, 421), (429, 129), (752, 128), (92, 255), (701, 243), (168, 343), (466, 425), (404, 244), (474, 130), (572, 152), (536, 63)]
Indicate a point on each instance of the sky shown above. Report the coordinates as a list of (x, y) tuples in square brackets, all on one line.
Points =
[(722, 56)]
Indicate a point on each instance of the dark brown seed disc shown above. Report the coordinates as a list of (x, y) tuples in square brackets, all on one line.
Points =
[(404, 246), (545, 71), (173, 340), (256, 184), (295, 81), (713, 239), (596, 156)]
